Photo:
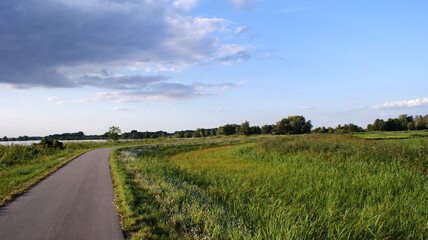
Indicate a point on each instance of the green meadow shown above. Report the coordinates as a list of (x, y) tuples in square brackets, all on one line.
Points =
[(290, 187), (409, 136)]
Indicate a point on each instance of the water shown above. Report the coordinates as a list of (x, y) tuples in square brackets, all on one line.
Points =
[(26, 143)]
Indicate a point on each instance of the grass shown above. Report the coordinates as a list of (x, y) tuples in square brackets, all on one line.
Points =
[(23, 166), (409, 136), (296, 187)]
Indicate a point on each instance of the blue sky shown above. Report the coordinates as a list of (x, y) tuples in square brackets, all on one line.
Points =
[(70, 66)]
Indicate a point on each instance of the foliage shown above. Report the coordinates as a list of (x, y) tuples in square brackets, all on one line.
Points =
[(292, 125), (114, 133), (403, 122), (227, 129)]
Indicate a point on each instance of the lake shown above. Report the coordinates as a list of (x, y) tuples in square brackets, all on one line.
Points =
[(7, 143)]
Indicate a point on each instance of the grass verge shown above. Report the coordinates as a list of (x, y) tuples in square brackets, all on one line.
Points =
[(297, 187)]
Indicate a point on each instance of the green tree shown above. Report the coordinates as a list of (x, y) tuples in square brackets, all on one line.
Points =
[(378, 125), (228, 129), (293, 125), (114, 133), (419, 122), (255, 130), (245, 128), (425, 118), (188, 134), (267, 129)]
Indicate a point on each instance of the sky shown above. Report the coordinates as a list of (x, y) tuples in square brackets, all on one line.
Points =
[(149, 65)]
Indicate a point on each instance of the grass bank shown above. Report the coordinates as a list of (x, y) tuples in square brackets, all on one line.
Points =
[(297, 187)]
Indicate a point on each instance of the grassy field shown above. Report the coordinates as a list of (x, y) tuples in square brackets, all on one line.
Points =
[(295, 187), (23, 166), (408, 136)]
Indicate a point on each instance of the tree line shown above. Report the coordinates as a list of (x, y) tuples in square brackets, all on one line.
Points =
[(290, 125)]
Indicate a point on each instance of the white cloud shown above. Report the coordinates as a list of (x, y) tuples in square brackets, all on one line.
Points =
[(221, 85), (418, 102), (386, 114), (244, 3), (219, 109), (186, 5), (231, 49), (119, 109), (241, 29), (353, 109), (50, 99), (306, 108)]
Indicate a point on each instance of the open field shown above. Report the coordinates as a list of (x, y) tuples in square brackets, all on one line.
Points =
[(301, 187), (409, 136)]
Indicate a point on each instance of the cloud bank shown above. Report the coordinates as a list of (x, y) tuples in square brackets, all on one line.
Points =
[(110, 44), (418, 102)]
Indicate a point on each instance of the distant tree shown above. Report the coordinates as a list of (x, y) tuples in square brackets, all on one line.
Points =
[(419, 122), (378, 125), (47, 143), (425, 118), (255, 130), (267, 129), (293, 125), (178, 134), (348, 128), (393, 124), (245, 128), (5, 138), (188, 134), (319, 130), (133, 134), (404, 120), (113, 133), (196, 134), (227, 129)]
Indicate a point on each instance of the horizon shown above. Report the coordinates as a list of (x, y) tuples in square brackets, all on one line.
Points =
[(176, 65)]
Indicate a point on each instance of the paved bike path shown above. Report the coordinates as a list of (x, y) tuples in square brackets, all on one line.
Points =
[(76, 202)]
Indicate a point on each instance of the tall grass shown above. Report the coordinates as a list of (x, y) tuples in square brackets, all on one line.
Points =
[(300, 187)]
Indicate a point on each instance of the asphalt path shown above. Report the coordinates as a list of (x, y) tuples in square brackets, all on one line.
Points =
[(76, 202)]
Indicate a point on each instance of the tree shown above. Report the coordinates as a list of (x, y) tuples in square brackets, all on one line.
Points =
[(113, 133), (293, 125), (5, 138), (227, 129), (404, 119), (419, 122), (245, 128), (425, 118), (47, 143), (188, 134), (267, 129), (255, 130), (378, 125)]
